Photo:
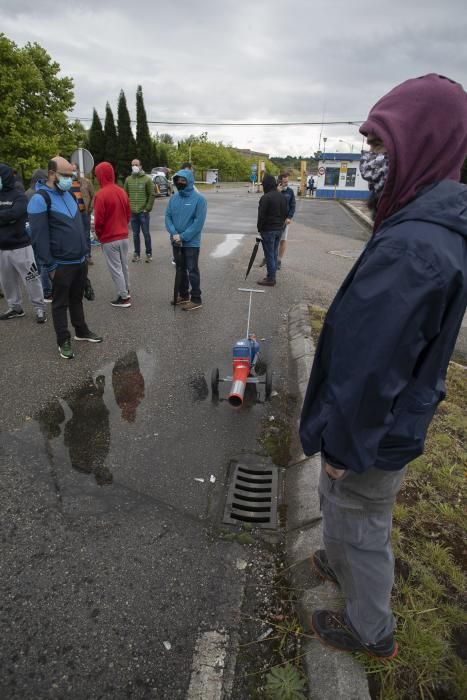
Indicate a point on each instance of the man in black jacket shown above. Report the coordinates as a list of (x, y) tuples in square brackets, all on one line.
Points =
[(272, 213), (16, 254)]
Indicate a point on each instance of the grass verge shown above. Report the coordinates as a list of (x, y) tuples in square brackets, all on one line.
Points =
[(429, 594)]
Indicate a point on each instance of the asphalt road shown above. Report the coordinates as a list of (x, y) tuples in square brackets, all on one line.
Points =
[(113, 564)]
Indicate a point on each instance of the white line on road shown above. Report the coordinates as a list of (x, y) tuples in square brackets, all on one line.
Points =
[(209, 662), (232, 240)]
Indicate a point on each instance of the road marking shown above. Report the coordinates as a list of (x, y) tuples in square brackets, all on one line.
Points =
[(232, 240), (209, 661)]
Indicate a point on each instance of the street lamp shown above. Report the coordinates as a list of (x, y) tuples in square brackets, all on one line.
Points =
[(347, 144)]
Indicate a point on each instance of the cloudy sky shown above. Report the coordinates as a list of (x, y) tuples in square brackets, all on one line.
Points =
[(257, 61)]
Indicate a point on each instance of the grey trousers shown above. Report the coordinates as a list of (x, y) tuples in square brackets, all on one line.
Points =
[(357, 523), (18, 266), (116, 257)]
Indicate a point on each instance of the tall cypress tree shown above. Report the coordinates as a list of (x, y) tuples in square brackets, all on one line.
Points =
[(126, 149), (111, 138), (96, 139), (143, 137)]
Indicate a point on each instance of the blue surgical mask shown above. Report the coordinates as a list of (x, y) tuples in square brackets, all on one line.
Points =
[(64, 183)]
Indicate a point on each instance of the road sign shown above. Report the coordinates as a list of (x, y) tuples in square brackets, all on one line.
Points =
[(253, 177), (254, 167), (84, 159), (321, 170)]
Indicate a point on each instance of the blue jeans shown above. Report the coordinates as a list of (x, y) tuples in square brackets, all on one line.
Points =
[(141, 221), (187, 268), (86, 219), (271, 240), (46, 282)]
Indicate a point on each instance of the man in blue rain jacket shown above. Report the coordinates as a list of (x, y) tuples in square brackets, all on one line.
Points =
[(184, 220)]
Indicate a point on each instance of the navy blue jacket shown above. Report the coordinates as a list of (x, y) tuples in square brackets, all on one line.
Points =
[(383, 353), (58, 235), (290, 197)]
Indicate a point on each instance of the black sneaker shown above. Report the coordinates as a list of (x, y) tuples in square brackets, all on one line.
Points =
[(41, 316), (65, 350), (123, 303), (333, 629), (48, 298), (11, 313), (319, 561), (90, 337)]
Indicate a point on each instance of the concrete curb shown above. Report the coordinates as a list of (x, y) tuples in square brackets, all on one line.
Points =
[(364, 218), (331, 675)]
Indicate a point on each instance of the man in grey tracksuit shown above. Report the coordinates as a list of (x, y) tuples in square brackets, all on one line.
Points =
[(17, 261)]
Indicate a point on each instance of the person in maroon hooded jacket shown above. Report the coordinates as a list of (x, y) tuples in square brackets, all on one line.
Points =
[(112, 213), (382, 357)]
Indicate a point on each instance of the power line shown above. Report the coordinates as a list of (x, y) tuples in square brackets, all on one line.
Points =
[(162, 123)]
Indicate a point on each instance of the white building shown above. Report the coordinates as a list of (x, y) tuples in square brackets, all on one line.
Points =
[(339, 177)]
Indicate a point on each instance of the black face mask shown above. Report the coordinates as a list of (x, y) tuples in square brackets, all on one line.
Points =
[(180, 185)]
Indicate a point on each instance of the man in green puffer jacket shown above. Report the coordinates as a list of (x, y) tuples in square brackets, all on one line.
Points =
[(140, 190)]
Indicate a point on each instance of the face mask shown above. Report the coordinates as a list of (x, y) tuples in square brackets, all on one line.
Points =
[(180, 185), (75, 175), (374, 168), (64, 183), (135, 169)]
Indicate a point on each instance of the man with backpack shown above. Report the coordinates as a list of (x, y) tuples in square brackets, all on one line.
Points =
[(60, 242)]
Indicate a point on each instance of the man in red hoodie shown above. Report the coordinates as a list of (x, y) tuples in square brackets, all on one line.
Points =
[(112, 214)]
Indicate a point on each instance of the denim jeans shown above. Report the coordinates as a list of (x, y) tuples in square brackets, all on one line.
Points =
[(189, 273), (141, 221), (86, 219), (271, 240), (46, 283)]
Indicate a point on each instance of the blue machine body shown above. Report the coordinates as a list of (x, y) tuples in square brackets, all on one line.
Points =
[(247, 348)]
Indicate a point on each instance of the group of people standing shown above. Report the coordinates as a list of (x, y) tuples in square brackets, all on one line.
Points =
[(45, 239)]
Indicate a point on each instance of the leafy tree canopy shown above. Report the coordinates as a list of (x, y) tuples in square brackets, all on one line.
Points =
[(34, 102)]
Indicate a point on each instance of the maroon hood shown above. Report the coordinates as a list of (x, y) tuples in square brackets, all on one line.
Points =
[(423, 125)]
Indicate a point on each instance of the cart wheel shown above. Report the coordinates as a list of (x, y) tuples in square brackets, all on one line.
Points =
[(215, 382), (268, 384)]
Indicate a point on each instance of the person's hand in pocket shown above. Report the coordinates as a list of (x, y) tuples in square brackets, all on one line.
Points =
[(334, 473)]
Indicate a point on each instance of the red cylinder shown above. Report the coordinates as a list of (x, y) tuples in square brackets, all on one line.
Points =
[(241, 370)]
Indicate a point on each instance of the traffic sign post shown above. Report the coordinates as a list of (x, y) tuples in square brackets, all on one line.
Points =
[(84, 159)]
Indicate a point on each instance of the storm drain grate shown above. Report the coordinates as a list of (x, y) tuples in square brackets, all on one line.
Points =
[(252, 496)]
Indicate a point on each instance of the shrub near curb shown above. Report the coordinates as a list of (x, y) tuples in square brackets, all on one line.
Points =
[(429, 547)]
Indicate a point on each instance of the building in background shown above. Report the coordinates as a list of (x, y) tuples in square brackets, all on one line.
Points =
[(339, 177)]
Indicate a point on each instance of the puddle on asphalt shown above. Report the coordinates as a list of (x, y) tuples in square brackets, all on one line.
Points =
[(82, 416), (232, 240)]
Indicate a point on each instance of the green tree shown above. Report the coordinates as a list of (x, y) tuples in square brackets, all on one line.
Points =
[(166, 138), (110, 137), (96, 139), (143, 137), (34, 102), (126, 149)]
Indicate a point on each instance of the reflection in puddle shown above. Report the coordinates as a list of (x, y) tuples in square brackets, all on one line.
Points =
[(232, 240), (83, 418), (86, 434), (128, 385)]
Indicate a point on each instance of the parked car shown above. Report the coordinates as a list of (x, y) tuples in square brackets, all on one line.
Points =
[(162, 186)]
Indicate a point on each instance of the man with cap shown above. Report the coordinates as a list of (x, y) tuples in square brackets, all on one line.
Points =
[(382, 357), (60, 242)]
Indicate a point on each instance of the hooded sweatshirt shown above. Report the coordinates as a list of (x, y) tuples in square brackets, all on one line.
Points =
[(13, 205), (186, 212), (272, 207), (382, 357), (112, 210)]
